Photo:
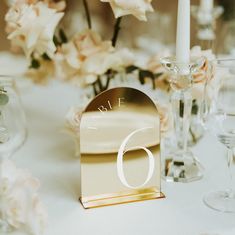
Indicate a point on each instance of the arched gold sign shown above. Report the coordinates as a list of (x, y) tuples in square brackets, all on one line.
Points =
[(120, 149)]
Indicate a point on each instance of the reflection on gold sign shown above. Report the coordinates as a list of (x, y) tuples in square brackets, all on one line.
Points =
[(120, 149)]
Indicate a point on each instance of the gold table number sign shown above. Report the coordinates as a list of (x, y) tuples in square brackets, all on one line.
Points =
[(120, 149)]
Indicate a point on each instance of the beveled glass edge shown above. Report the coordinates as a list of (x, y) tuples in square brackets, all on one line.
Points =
[(193, 61), (172, 65)]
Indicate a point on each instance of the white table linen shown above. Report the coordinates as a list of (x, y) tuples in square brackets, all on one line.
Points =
[(49, 154)]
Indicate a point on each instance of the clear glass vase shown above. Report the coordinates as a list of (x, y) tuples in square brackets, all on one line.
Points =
[(180, 165), (12, 135), (12, 118)]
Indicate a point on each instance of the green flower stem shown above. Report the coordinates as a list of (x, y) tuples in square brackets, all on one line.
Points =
[(88, 17), (94, 89), (109, 75), (99, 83), (116, 31), (98, 86)]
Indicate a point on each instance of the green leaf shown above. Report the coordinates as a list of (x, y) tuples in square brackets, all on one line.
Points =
[(143, 74), (131, 68), (56, 41), (181, 108), (35, 64), (147, 74), (46, 57), (157, 75), (63, 36)]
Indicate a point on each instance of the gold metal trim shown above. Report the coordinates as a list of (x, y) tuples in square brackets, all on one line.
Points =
[(121, 198)]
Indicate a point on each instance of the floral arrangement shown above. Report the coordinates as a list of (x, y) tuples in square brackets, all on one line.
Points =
[(73, 117), (20, 207), (86, 58)]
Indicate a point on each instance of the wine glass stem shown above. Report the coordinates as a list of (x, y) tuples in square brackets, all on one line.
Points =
[(230, 159)]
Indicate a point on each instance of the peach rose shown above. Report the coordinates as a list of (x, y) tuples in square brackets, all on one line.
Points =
[(73, 59), (205, 73), (89, 43), (87, 56)]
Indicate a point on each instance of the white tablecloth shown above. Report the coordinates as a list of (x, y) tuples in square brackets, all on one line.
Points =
[(49, 154)]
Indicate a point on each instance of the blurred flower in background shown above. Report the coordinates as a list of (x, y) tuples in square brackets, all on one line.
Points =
[(136, 8), (20, 207), (32, 27)]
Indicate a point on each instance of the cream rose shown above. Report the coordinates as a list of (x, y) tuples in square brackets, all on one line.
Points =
[(88, 56), (166, 117), (100, 63), (20, 207), (58, 5), (89, 43), (67, 62), (137, 8), (92, 52), (121, 58), (32, 27)]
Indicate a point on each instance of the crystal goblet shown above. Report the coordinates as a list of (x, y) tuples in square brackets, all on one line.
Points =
[(221, 122)]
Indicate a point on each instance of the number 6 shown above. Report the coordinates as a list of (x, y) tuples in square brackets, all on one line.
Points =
[(120, 156)]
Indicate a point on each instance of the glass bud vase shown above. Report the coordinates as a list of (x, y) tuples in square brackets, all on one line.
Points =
[(13, 129), (12, 136), (180, 165)]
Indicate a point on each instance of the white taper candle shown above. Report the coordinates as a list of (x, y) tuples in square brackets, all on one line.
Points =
[(183, 32)]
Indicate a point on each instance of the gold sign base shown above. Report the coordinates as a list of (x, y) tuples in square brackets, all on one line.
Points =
[(120, 198)]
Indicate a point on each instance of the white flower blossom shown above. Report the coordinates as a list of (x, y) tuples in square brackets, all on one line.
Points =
[(20, 207), (87, 56), (32, 27), (137, 8)]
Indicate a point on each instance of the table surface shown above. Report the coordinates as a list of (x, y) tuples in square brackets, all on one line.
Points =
[(49, 154)]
